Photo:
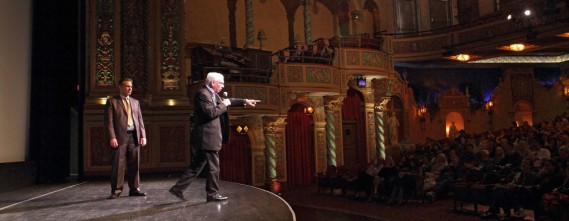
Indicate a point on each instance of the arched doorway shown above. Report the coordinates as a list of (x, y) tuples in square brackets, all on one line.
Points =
[(299, 147), (353, 126), (235, 159), (524, 113), (456, 119), (344, 19), (371, 17)]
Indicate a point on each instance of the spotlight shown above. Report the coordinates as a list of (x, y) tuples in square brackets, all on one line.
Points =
[(510, 17), (527, 12)]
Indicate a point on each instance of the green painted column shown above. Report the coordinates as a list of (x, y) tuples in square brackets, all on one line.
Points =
[(308, 4), (250, 35), (270, 154), (379, 131), (330, 134)]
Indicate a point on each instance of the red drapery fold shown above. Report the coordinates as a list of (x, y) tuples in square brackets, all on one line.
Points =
[(352, 110), (300, 148), (235, 159)]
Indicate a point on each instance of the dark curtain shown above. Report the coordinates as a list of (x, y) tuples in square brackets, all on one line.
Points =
[(300, 148), (352, 110), (235, 159)]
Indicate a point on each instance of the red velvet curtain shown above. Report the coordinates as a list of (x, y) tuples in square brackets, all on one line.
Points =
[(235, 159), (352, 110), (300, 148)]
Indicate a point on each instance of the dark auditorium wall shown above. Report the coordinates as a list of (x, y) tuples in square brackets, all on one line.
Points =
[(56, 70)]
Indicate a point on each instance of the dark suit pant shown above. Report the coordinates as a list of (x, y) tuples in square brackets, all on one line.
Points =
[(203, 159), (125, 157)]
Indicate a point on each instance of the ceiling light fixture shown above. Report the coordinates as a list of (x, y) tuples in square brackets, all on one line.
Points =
[(517, 47), (463, 57)]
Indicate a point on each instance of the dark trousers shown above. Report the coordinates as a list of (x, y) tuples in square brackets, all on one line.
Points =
[(125, 157), (504, 197), (203, 158)]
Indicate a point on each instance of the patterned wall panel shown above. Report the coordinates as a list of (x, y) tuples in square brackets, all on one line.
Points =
[(99, 149), (321, 150), (134, 43), (105, 44), (274, 98), (280, 156), (295, 74), (375, 59), (318, 75), (259, 169), (352, 57), (171, 56), (171, 139), (250, 92), (522, 87)]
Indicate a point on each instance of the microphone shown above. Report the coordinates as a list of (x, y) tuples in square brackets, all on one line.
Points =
[(225, 95)]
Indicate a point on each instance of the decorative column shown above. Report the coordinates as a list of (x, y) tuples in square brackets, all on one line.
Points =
[(308, 4), (379, 127), (330, 104), (330, 134), (250, 35), (271, 131)]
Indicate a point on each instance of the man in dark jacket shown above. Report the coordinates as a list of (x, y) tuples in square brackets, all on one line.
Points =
[(210, 131)]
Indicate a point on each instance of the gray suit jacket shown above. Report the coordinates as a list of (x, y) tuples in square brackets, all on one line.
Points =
[(211, 126), (116, 119)]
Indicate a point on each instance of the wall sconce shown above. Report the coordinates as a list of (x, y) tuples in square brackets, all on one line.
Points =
[(566, 91), (489, 107), (242, 129), (361, 81), (422, 112), (309, 110)]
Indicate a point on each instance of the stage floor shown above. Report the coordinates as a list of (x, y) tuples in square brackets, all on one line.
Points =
[(88, 201)]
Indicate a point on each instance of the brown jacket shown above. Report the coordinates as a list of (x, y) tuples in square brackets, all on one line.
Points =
[(116, 119)]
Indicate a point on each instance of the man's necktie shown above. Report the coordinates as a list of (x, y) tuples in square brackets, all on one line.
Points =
[(129, 112)]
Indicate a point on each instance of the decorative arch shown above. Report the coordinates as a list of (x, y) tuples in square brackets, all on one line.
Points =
[(523, 111), (371, 17), (458, 120)]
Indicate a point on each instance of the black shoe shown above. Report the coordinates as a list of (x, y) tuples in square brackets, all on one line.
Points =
[(217, 197), (136, 193), (114, 196), (177, 193), (487, 215)]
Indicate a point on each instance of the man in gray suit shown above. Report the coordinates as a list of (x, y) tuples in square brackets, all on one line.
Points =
[(211, 130), (126, 134)]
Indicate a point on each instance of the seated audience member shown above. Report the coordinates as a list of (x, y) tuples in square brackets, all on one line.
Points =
[(506, 196), (388, 174), (482, 169), (563, 158), (553, 200), (549, 178), (444, 180), (373, 172), (440, 163), (404, 184)]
